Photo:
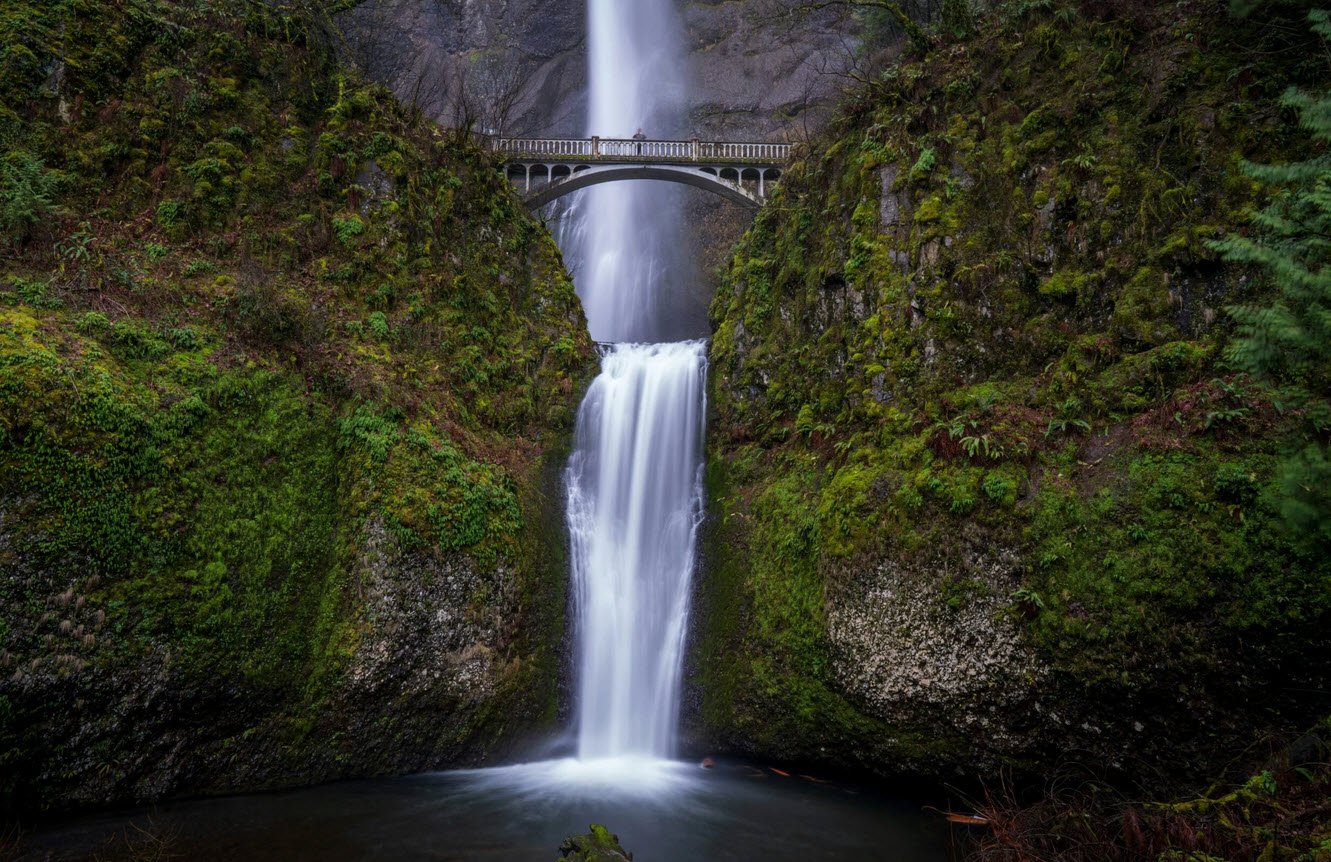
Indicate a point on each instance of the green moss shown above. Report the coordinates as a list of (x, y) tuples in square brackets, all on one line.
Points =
[(930, 209), (1068, 284), (208, 415), (599, 845), (1027, 357)]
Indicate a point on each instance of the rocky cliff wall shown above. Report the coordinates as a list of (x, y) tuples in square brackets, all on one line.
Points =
[(753, 75), (285, 378), (529, 55), (983, 493)]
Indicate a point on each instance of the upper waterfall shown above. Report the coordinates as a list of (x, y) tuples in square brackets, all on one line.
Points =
[(634, 481), (631, 249)]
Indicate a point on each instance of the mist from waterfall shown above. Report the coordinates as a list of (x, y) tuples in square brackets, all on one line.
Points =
[(634, 481)]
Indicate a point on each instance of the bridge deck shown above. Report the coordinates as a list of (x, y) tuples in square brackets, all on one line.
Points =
[(694, 152)]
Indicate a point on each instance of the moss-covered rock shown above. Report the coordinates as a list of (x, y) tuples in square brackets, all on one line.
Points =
[(283, 369), (983, 493), (598, 845)]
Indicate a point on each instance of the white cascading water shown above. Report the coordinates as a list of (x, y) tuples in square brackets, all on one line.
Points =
[(634, 505), (635, 478)]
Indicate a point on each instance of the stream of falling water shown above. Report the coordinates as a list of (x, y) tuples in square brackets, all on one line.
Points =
[(634, 504), (635, 478), (629, 254)]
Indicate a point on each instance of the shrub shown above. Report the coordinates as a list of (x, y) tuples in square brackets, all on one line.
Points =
[(93, 323), (170, 213)]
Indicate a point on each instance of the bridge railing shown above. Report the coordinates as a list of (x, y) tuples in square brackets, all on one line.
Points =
[(744, 152), (543, 147), (627, 147), (593, 149)]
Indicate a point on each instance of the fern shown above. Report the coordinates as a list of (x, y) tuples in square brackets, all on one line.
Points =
[(1287, 343), (27, 195)]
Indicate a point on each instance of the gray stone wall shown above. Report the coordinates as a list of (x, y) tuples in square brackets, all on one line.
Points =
[(753, 74)]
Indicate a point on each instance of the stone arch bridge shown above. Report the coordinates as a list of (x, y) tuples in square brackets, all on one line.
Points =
[(545, 169)]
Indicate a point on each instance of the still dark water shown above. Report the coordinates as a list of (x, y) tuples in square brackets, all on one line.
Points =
[(661, 811)]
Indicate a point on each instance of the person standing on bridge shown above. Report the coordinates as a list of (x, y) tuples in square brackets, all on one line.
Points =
[(639, 136)]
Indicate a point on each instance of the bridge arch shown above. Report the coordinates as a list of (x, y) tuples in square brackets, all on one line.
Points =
[(585, 177)]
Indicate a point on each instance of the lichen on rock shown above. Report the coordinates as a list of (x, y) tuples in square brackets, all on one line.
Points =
[(914, 641)]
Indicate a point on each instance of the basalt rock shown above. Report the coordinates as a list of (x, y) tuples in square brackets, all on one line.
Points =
[(956, 524), (752, 74)]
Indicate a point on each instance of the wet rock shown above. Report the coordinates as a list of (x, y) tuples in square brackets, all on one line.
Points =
[(962, 177), (878, 389), (889, 207), (598, 845), (432, 677), (422, 49), (751, 73), (929, 253), (376, 182)]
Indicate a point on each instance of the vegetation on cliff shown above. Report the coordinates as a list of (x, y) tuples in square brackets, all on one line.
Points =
[(280, 364), (975, 392)]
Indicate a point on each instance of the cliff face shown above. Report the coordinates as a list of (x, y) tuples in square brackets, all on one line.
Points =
[(753, 74), (760, 76), (285, 379), (521, 62), (983, 493)]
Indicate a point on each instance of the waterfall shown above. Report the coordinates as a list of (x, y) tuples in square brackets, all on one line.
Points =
[(634, 481), (629, 254), (634, 505)]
